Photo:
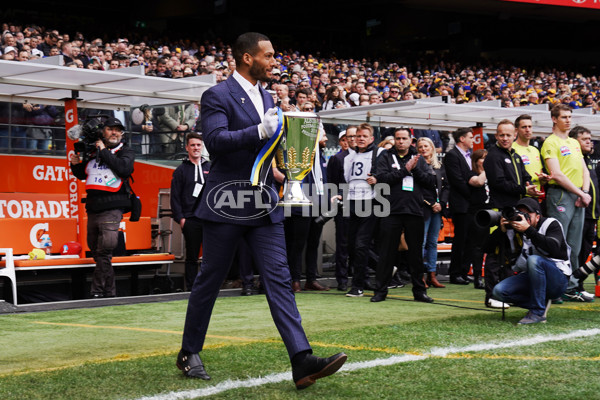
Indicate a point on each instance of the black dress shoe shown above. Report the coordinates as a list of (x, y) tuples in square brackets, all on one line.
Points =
[(422, 297), (377, 298), (342, 287), (306, 372), (191, 365), (459, 280)]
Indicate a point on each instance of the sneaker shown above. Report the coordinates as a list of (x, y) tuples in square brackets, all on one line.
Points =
[(578, 297), (558, 300), (531, 318), (587, 295), (496, 304), (354, 292)]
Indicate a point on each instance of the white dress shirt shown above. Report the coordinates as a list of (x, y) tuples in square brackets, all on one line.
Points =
[(253, 93)]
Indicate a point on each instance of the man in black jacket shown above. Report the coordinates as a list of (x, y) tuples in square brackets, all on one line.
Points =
[(107, 190), (186, 188), (543, 264), (507, 178), (405, 173)]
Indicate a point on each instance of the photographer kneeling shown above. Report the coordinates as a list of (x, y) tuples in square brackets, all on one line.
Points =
[(543, 264), (106, 173)]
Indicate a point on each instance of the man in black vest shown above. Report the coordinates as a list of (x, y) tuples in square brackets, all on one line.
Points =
[(106, 183)]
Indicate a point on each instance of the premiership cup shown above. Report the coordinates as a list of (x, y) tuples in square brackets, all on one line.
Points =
[(296, 153)]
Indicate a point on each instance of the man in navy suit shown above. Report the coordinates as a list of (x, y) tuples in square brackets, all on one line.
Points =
[(238, 118), (458, 170)]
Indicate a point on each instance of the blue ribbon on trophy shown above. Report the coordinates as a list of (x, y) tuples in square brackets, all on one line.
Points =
[(262, 164)]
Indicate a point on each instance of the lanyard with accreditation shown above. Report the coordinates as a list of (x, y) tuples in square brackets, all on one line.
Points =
[(198, 185)]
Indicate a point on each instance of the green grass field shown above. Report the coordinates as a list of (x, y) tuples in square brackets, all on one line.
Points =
[(128, 352)]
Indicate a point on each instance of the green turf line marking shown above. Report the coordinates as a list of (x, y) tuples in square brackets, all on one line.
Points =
[(380, 362)]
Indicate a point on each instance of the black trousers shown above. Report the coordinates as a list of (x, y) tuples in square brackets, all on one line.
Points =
[(361, 230), (459, 265), (341, 249), (390, 229), (192, 232), (102, 239), (476, 237), (302, 233)]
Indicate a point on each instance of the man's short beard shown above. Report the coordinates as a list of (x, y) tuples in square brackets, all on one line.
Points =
[(257, 73)]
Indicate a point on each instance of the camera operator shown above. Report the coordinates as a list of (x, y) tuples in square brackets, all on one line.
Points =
[(106, 183), (543, 263)]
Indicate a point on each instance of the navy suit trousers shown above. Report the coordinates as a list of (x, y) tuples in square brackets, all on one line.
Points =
[(267, 243)]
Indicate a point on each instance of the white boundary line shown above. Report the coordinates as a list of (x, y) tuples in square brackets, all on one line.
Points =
[(435, 352)]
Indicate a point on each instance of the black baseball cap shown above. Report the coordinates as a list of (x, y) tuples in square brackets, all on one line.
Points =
[(112, 121), (532, 205)]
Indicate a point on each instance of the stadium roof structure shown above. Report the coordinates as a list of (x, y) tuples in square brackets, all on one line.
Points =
[(44, 81), (433, 113)]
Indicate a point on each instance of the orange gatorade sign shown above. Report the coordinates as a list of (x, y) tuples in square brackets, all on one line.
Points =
[(36, 197)]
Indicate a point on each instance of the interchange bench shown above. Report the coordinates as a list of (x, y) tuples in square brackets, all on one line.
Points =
[(9, 266)]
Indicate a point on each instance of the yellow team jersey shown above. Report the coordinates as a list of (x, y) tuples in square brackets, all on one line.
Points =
[(531, 160), (568, 153)]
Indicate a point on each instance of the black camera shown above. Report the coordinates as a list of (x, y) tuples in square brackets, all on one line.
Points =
[(591, 267), (488, 218), (87, 134), (323, 219)]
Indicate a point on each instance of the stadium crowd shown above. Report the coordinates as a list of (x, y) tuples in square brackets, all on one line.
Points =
[(358, 81), (309, 83)]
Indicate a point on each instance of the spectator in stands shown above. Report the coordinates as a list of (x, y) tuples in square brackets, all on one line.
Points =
[(50, 40), (333, 99), (107, 186), (302, 97), (10, 53), (42, 118), (66, 51), (186, 188), (173, 124)]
